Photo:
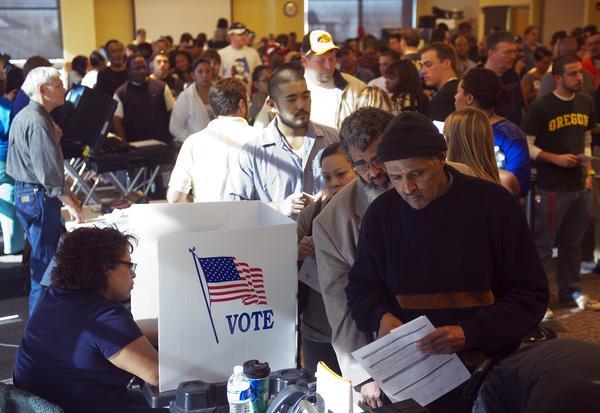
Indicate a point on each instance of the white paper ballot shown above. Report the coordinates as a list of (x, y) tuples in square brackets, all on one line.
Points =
[(403, 372), (309, 274)]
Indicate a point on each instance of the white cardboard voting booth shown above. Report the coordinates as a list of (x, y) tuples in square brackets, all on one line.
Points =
[(222, 279)]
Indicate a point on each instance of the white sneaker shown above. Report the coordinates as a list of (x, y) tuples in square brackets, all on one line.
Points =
[(584, 302), (548, 315)]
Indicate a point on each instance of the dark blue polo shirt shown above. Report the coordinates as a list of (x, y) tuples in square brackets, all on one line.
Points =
[(63, 357)]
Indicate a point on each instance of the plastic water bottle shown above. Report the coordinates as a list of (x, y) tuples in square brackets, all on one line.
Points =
[(238, 391)]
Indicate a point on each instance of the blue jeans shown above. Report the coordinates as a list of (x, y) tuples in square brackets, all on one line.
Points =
[(40, 216)]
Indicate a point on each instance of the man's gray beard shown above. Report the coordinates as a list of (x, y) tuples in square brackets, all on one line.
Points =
[(325, 79), (373, 191)]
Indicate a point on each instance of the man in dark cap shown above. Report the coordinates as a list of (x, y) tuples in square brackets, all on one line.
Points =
[(454, 248)]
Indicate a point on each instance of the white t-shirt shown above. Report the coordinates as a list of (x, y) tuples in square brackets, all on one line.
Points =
[(244, 60), (325, 103), (90, 79), (380, 83), (300, 151), (206, 157), (190, 114)]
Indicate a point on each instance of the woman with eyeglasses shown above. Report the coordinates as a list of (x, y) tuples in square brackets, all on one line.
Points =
[(81, 346)]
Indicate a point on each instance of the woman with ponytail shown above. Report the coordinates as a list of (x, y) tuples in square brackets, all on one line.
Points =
[(481, 88)]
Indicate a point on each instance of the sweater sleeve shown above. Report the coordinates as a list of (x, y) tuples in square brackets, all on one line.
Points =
[(519, 285), (367, 293)]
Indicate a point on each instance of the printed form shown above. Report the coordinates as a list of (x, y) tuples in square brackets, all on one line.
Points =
[(403, 372)]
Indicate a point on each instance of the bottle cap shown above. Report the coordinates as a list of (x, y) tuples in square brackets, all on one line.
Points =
[(238, 370), (254, 369)]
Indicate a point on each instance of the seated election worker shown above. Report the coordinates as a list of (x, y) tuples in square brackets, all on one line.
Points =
[(81, 346)]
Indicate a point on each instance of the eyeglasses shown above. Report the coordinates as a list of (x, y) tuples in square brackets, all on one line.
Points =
[(362, 166), (57, 85), (131, 265)]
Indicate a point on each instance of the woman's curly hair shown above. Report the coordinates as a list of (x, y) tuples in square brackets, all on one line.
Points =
[(86, 255)]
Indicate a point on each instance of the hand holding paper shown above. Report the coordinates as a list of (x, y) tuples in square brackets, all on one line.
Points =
[(565, 160), (387, 323), (306, 248), (371, 394), (404, 372), (295, 203), (443, 340)]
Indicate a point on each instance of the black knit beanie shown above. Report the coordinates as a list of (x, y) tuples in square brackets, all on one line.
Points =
[(408, 135)]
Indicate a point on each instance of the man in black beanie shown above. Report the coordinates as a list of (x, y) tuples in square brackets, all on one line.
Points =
[(451, 247)]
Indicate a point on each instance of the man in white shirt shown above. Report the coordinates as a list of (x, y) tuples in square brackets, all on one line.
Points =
[(206, 157), (237, 59), (334, 94)]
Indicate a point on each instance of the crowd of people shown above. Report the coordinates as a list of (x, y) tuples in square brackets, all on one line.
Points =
[(405, 161)]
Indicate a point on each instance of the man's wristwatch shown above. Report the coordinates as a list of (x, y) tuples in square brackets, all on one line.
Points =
[(591, 172)]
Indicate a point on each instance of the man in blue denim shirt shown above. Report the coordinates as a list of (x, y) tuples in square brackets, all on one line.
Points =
[(281, 167), (35, 161)]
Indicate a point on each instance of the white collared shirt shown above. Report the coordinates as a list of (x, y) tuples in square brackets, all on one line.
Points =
[(205, 159)]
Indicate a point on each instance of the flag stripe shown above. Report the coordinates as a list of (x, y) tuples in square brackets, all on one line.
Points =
[(220, 293), (221, 299), (227, 286)]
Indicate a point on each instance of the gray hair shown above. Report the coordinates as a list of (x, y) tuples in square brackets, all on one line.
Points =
[(37, 77)]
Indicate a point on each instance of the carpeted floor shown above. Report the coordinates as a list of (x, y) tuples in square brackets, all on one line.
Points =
[(572, 322)]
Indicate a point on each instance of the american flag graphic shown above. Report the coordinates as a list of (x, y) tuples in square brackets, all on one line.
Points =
[(228, 280)]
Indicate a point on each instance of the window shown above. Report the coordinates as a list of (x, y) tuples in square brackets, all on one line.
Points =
[(30, 27), (341, 17)]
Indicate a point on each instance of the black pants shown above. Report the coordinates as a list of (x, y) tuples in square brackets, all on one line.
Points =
[(315, 351)]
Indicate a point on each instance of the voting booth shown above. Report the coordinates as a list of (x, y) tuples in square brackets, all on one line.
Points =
[(222, 280)]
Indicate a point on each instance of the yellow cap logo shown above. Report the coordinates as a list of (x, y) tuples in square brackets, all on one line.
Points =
[(324, 38)]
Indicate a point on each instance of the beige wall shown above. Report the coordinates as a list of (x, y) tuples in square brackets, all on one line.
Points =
[(561, 15), (113, 20), (591, 14), (179, 16), (266, 16), (77, 19)]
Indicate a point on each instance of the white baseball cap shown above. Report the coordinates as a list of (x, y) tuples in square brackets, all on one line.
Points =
[(318, 42)]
